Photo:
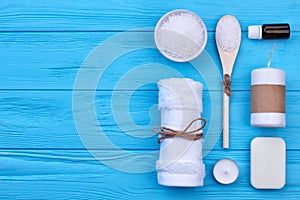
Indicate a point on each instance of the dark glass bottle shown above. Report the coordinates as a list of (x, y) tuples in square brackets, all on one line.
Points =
[(269, 31)]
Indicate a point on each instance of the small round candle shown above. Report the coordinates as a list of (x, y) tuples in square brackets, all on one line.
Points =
[(268, 97), (226, 171)]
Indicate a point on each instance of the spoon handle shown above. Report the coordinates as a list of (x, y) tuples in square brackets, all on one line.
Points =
[(225, 121)]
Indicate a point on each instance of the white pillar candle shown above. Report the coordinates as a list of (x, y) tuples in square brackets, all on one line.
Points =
[(268, 97)]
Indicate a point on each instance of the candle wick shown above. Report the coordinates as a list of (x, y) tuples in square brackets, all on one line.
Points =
[(271, 54)]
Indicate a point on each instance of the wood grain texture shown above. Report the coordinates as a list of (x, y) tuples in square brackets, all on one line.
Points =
[(52, 60), (43, 119), (76, 174), (42, 46), (37, 15)]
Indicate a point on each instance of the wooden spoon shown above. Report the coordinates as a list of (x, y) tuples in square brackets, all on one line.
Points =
[(228, 39)]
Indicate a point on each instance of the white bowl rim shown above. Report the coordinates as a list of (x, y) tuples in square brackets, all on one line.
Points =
[(158, 25)]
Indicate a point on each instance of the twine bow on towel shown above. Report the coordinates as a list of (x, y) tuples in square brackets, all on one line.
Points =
[(171, 133), (227, 83)]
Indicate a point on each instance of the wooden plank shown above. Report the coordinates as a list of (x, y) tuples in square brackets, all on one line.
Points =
[(33, 15), (42, 45), (76, 174), (44, 119), (51, 61)]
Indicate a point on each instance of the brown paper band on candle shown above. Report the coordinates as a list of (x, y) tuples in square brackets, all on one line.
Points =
[(267, 98)]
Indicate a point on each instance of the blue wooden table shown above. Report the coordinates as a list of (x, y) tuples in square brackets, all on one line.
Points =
[(43, 152)]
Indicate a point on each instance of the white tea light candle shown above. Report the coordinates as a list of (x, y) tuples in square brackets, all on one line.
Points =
[(226, 171)]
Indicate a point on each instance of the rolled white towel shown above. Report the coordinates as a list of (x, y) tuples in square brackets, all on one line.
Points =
[(180, 161)]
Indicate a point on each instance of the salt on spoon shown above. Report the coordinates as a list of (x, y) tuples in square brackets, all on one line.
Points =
[(228, 39)]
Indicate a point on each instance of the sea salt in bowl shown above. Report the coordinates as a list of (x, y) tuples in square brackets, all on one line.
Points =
[(180, 35)]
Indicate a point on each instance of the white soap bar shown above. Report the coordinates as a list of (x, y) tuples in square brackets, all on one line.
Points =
[(268, 163)]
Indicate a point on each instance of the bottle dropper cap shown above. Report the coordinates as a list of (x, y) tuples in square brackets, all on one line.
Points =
[(255, 32)]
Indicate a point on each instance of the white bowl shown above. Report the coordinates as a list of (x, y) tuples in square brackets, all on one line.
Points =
[(180, 35)]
